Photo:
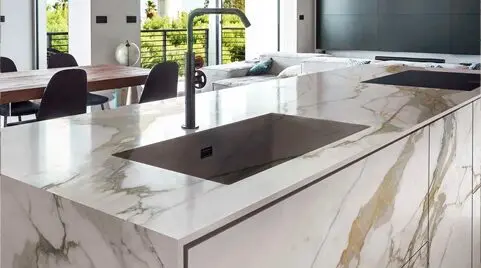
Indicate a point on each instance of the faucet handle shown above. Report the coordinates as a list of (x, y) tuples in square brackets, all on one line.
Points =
[(200, 79)]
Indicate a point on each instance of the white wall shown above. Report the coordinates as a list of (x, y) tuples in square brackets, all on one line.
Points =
[(262, 35), (106, 37), (306, 34), (93, 43), (295, 35), (17, 32)]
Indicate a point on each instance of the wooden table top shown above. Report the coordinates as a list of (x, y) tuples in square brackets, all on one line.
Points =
[(29, 85)]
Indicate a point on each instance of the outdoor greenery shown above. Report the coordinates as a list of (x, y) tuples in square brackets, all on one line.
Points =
[(163, 38)]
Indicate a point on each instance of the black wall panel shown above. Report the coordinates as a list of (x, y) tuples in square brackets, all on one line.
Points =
[(432, 26)]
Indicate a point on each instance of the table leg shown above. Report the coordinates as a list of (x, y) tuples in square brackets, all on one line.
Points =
[(121, 99)]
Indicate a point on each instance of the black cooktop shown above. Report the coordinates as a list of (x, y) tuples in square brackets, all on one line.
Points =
[(431, 79)]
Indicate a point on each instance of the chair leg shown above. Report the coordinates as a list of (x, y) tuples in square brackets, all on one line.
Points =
[(19, 119), (5, 121), (102, 106)]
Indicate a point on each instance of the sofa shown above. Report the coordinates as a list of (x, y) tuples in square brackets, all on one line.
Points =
[(235, 74)]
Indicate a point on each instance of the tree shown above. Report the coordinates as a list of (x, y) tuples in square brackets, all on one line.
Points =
[(57, 16), (240, 4), (151, 10)]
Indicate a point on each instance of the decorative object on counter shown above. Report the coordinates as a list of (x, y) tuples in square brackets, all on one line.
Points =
[(291, 71), (62, 60), (161, 83), (127, 53), (261, 68)]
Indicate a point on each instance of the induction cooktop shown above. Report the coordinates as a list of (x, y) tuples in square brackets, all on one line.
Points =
[(431, 79)]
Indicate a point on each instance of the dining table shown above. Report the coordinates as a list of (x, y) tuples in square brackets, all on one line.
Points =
[(30, 85)]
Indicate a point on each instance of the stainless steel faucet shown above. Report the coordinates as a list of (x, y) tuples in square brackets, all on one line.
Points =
[(190, 58)]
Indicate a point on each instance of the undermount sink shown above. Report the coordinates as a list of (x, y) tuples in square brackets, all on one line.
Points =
[(230, 153)]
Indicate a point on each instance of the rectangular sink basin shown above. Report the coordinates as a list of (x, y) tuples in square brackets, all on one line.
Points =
[(230, 153), (430, 79)]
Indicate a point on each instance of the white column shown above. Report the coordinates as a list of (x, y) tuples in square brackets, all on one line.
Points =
[(80, 44), (42, 34), (17, 33), (212, 36), (262, 35), (288, 25), (297, 35)]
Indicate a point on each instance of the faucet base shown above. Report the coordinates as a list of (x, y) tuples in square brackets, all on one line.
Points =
[(189, 128)]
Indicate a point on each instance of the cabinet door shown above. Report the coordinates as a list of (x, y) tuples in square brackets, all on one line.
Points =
[(370, 214), (450, 196), (477, 186)]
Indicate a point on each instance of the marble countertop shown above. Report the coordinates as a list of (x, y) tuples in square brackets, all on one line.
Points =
[(72, 157)]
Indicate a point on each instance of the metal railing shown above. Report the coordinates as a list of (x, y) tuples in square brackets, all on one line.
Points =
[(233, 44), (170, 45), (58, 41)]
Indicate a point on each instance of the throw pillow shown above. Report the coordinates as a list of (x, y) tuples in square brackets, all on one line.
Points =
[(291, 71), (261, 68), (475, 66)]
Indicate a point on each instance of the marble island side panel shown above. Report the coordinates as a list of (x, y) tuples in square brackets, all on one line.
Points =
[(42, 230), (370, 214)]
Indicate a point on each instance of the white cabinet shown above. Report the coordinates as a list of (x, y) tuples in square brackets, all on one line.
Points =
[(450, 196), (370, 214)]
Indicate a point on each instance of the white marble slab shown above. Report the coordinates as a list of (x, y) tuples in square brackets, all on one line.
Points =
[(368, 215), (72, 157), (450, 196), (42, 230)]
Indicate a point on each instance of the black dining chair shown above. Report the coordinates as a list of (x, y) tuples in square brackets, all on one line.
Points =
[(61, 60), (18, 109), (161, 83), (58, 102)]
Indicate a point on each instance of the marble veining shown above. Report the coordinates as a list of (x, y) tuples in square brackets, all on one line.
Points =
[(450, 192), (72, 157)]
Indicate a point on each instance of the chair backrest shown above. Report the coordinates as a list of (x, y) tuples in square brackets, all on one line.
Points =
[(61, 60), (161, 83), (7, 65), (65, 95)]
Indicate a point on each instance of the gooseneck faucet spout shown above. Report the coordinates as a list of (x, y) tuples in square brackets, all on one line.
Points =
[(190, 58)]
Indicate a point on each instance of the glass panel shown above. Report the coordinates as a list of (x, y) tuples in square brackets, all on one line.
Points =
[(164, 32)]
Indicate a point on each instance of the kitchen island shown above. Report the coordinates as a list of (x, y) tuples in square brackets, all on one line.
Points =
[(402, 192)]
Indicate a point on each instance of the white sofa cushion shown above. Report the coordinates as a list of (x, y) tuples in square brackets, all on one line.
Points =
[(323, 64), (224, 71), (282, 60), (241, 81), (291, 71)]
